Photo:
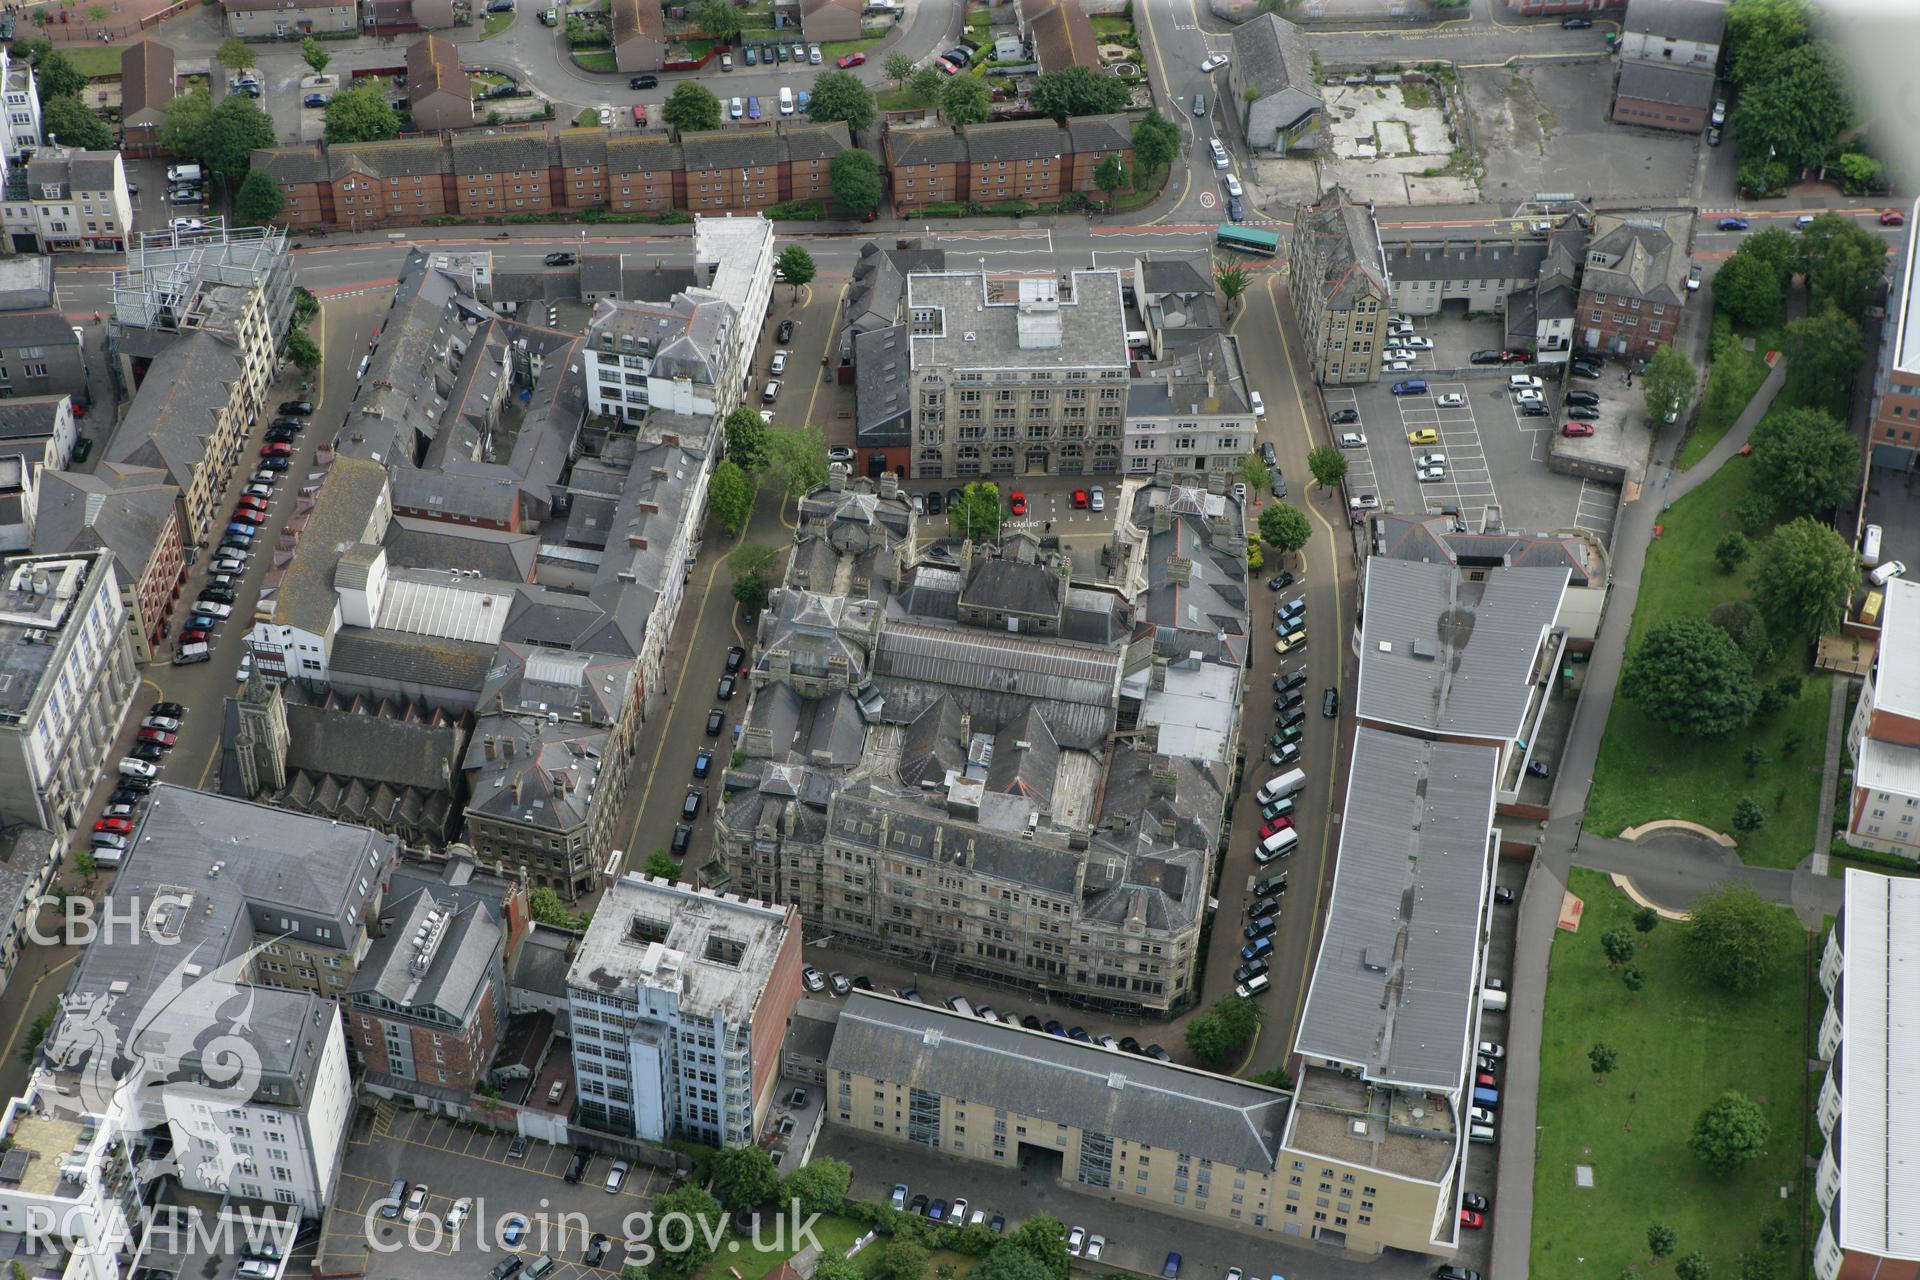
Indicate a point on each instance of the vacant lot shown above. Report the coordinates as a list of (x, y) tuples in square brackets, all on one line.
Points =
[(1643, 772), (1681, 1043), (1544, 128)]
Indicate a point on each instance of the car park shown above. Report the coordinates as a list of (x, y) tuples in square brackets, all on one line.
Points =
[(1451, 400), (1583, 413)]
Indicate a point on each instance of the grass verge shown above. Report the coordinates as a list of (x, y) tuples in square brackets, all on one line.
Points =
[(1736, 374), (496, 23), (833, 51), (1681, 1043), (594, 60), (1643, 772), (95, 61)]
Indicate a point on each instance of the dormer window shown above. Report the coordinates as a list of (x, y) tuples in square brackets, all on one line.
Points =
[(50, 191)]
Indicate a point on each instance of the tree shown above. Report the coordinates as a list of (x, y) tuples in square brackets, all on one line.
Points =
[(1748, 816), (1283, 527), (236, 130), (854, 176), (1731, 551), (1738, 619), (1278, 1078), (314, 55), (839, 95), (797, 460), (37, 1033), (717, 18), (661, 865), (903, 1259), (1688, 677), (1692, 1266), (1803, 575), (706, 1220), (743, 1177), (234, 54), (1759, 33), (360, 115), (977, 514), (730, 497), (1646, 920), (1328, 464), (185, 125), (753, 560), (819, 1186), (1756, 756), (1750, 289), (1618, 946), (259, 200), (1008, 1261), (691, 108), (1077, 91), (751, 593), (85, 864), (69, 120), (1602, 1058), (926, 85), (1110, 176), (1256, 558), (797, 265), (1733, 934), (1797, 109), (747, 434), (56, 77), (1667, 385), (1156, 141), (966, 100), (545, 906), (1824, 351), (1860, 171), (899, 68), (1843, 263), (1660, 1239), (1633, 977), (1045, 1240), (1233, 281), (1253, 470), (302, 350), (1216, 1035), (1729, 1133)]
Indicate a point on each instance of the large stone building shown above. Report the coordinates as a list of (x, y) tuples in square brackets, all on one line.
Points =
[(1341, 289), (1015, 377), (680, 1000), (1193, 409), (134, 513), (68, 681)]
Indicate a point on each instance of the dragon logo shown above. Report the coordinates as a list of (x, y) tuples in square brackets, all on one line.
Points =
[(184, 1057)]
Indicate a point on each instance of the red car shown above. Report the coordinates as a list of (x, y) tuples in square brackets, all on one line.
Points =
[(1485, 1080), (1892, 219), (1277, 825), (1079, 499), (1017, 503), (119, 826), (160, 736), (193, 635), (1577, 429), (252, 502), (276, 449), (1472, 1218), (947, 68), (852, 60), (243, 515), (1510, 356)]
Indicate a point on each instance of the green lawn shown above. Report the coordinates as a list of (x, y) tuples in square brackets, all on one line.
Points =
[(1644, 773), (594, 59), (1735, 375), (496, 23), (835, 1234), (1116, 30), (95, 61), (900, 99), (1681, 1042)]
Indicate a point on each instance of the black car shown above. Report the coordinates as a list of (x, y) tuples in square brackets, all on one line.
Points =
[(125, 795), (291, 422), (1032, 1023), (1576, 24), (862, 983), (1251, 969), (275, 464), (643, 82), (785, 332), (1330, 702), (1588, 371), (314, 100), (1475, 1201), (690, 807), (725, 691), (151, 752), (1260, 910), (917, 1205), (735, 657), (134, 783), (1282, 582), (218, 595), (1503, 895), (1291, 698), (1588, 398), (933, 502), (1533, 409), (1290, 717), (296, 408), (596, 1249), (1158, 1054), (682, 837), (1268, 454), (172, 710), (1341, 417), (281, 435), (577, 1167), (1583, 413), (559, 259), (1484, 357), (703, 762), (506, 1267), (715, 719), (1291, 680), (953, 499)]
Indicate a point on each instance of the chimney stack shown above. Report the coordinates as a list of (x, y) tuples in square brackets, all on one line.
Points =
[(889, 485)]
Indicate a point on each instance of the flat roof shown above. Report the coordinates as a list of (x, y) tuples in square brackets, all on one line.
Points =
[(1442, 653), (978, 322), (1906, 341), (1896, 676), (1396, 982), (714, 953), (1878, 1208)]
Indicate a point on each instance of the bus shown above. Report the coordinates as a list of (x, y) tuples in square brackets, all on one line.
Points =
[(1247, 240)]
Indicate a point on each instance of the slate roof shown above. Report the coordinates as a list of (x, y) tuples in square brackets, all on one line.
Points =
[(1395, 988), (1414, 257), (1012, 140), (187, 389), (882, 392), (1334, 240), (505, 153), (408, 659), (81, 512), (1091, 134), (458, 967), (433, 66), (1644, 255), (1701, 21), (1433, 539), (1446, 655), (1084, 1087), (929, 144), (1062, 33), (146, 81), (633, 18), (1271, 56), (348, 498), (1674, 86)]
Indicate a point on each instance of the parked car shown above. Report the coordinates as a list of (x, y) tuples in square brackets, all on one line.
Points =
[(1351, 440), (1574, 430), (852, 60), (1733, 224), (1341, 417)]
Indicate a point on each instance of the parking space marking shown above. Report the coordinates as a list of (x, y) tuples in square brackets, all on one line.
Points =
[(1594, 511), (1467, 485)]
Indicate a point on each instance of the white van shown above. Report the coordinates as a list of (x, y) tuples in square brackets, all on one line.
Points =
[(188, 654), (1887, 572), (1284, 785), (1491, 999), (184, 173), (960, 1006), (1480, 1133), (1870, 546), (1253, 986), (1277, 845), (786, 101)]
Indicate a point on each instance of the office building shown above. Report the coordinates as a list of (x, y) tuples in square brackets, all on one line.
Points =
[(1634, 283)]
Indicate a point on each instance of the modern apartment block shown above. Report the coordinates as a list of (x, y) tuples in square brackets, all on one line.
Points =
[(642, 355), (1341, 288), (1893, 433), (1883, 803), (1016, 376), (67, 201), (68, 681), (680, 1000), (1001, 161), (1861, 1181)]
